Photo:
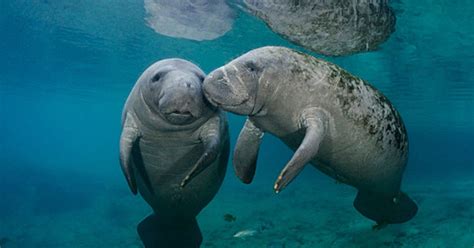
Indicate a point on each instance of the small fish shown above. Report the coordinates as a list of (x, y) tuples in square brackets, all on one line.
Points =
[(245, 233), (229, 218)]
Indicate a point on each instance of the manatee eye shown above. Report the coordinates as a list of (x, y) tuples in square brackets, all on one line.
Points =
[(201, 77), (157, 77), (252, 67)]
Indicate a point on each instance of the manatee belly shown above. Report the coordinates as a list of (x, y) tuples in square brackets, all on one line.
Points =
[(166, 163)]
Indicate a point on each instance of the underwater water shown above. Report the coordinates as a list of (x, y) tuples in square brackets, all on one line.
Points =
[(68, 66)]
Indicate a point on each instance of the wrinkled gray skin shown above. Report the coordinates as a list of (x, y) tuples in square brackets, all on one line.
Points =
[(170, 135), (330, 27), (190, 19), (337, 122)]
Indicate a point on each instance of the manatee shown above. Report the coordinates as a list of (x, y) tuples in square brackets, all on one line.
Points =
[(331, 119), (330, 27), (171, 134), (190, 19)]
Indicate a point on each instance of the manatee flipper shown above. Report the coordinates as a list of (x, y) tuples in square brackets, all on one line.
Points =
[(246, 152), (314, 125), (211, 138), (157, 234), (128, 140), (385, 209)]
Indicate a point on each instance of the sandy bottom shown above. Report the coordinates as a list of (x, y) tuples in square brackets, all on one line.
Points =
[(309, 213)]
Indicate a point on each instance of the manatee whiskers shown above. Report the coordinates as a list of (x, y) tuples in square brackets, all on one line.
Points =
[(226, 77), (236, 74)]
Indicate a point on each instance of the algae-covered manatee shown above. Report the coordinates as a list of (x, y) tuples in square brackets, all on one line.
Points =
[(331, 119)]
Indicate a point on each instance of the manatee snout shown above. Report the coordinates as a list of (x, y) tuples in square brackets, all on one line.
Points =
[(223, 88), (182, 102)]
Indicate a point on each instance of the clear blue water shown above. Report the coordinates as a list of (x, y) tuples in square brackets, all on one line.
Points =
[(67, 67)]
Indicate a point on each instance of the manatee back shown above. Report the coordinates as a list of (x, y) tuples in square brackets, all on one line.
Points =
[(333, 27)]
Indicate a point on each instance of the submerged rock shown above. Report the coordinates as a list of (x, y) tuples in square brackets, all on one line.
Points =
[(190, 19), (330, 27)]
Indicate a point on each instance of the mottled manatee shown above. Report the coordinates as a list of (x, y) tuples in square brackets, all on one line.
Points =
[(330, 27), (331, 119)]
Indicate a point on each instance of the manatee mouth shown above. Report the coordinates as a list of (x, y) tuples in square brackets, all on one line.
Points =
[(215, 102), (220, 100), (209, 98), (179, 114), (179, 117)]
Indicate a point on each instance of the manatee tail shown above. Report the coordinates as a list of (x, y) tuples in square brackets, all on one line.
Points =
[(385, 209), (157, 234)]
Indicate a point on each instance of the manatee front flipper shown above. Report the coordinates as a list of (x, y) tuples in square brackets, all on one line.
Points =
[(158, 234), (314, 124), (128, 140), (210, 136), (385, 209), (246, 151)]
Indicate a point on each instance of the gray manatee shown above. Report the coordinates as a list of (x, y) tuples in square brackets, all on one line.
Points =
[(171, 134), (190, 19), (330, 27), (335, 121)]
